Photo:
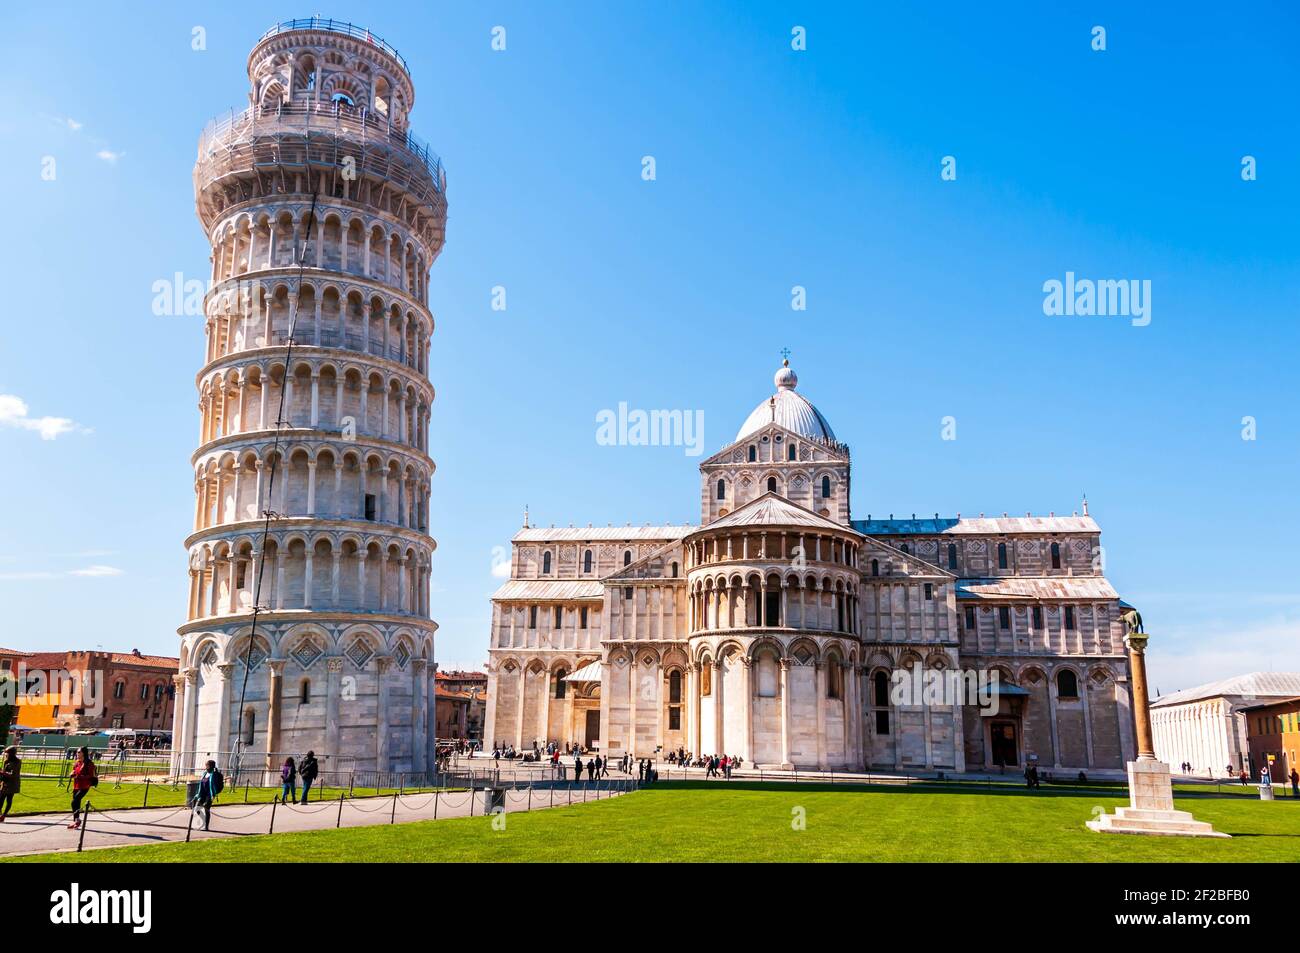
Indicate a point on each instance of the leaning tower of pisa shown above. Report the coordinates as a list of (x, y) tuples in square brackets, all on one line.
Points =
[(312, 471)]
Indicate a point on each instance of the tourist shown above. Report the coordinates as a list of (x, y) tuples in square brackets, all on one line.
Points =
[(11, 779), (1295, 785), (308, 772), (577, 768), (288, 781), (83, 779), (604, 768), (210, 786), (1265, 777), (591, 768)]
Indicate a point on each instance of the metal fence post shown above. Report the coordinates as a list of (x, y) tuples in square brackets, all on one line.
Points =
[(146, 793), (274, 802), (530, 795), (190, 826), (435, 805), (85, 813), (339, 822)]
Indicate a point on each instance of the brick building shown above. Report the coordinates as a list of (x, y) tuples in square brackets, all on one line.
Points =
[(120, 689), (1273, 730), (461, 705)]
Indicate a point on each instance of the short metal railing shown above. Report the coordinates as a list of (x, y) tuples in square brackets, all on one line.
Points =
[(335, 26)]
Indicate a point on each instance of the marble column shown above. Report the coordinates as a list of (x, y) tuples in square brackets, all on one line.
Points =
[(785, 712), (275, 668), (333, 690), (227, 671), (419, 713), (382, 760)]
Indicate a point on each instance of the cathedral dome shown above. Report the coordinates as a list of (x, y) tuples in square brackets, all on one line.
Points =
[(788, 409)]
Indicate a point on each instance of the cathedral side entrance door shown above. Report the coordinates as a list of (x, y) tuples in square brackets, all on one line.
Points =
[(1005, 749), (593, 727)]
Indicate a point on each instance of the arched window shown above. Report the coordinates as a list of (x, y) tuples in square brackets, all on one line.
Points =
[(952, 555), (1067, 684), (1002, 555), (675, 687), (722, 489), (706, 678), (546, 563), (834, 679), (674, 570), (586, 561), (560, 683), (906, 549), (789, 452), (144, 693), (627, 557), (826, 487), (875, 567), (304, 692), (343, 99), (119, 689), (250, 724), (753, 453), (881, 687), (771, 484), (1056, 555)]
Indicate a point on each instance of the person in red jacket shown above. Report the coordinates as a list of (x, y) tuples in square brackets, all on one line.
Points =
[(83, 779)]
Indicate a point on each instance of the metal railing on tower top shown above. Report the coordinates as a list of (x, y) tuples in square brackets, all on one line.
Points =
[(336, 26), (312, 116)]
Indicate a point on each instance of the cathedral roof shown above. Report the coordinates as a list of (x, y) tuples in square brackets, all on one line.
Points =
[(978, 526), (787, 409), (1261, 685), (543, 534), (773, 510), (1037, 587), (544, 590)]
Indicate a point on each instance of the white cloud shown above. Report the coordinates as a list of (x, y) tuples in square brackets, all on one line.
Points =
[(96, 571), (501, 570), (89, 572), (109, 155), (13, 413)]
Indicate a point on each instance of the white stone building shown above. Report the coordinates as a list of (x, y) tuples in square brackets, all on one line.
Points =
[(1204, 727), (324, 213), (774, 629)]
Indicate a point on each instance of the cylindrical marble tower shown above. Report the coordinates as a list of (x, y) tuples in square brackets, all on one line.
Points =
[(342, 663)]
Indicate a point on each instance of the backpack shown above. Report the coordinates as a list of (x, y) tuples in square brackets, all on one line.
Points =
[(218, 782)]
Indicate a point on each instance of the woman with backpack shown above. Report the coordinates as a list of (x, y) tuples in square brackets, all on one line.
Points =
[(11, 780), (288, 781), (84, 777)]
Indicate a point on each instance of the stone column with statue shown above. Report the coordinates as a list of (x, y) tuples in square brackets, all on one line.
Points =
[(1151, 791)]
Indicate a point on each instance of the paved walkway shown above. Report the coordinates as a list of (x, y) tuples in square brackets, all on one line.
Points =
[(47, 833)]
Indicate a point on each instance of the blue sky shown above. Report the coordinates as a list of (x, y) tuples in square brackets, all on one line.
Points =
[(775, 168)]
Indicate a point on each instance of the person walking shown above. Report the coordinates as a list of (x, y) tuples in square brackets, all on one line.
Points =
[(1295, 785), (308, 771), (577, 767), (84, 777), (210, 785), (289, 781), (11, 780)]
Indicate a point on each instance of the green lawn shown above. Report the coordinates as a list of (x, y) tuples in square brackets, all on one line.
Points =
[(44, 796), (739, 822)]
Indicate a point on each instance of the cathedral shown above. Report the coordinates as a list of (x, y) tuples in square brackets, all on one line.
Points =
[(781, 629)]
